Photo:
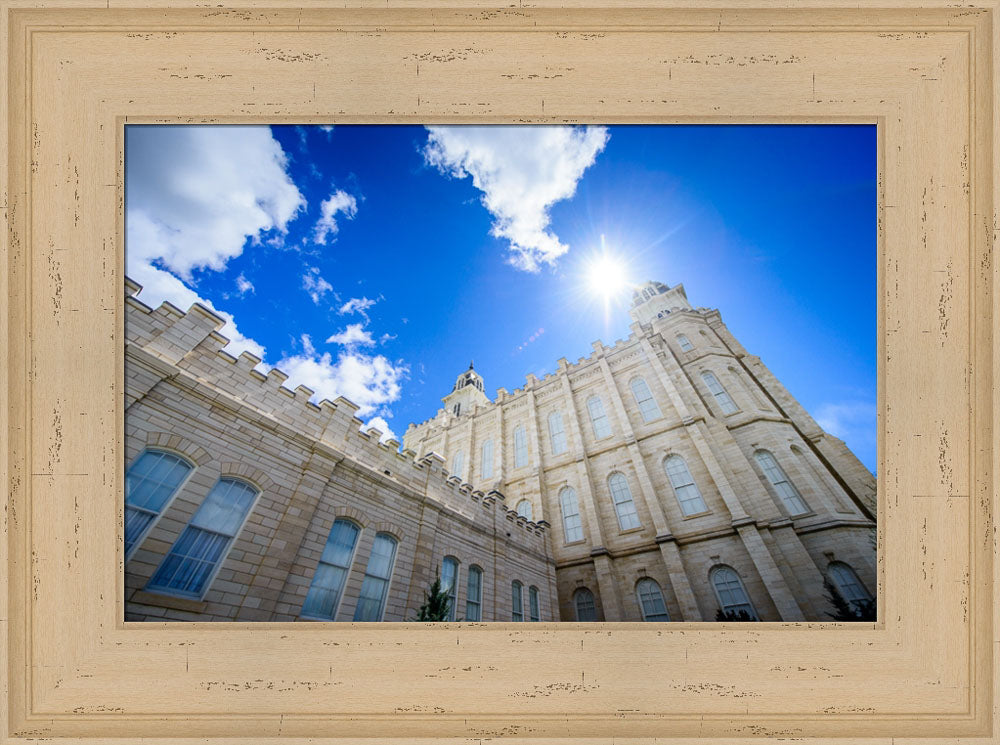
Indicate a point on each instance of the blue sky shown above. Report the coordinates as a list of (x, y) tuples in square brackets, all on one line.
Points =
[(375, 262)]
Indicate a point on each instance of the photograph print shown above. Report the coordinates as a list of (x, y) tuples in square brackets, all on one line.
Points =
[(500, 373)]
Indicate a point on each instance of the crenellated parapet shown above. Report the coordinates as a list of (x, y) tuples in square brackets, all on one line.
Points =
[(187, 348)]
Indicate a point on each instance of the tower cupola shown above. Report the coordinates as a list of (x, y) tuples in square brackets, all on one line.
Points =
[(652, 300), (468, 391)]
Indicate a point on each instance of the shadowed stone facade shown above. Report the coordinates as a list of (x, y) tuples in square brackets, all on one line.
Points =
[(697, 482)]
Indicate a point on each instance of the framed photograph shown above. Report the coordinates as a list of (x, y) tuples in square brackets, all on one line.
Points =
[(256, 490)]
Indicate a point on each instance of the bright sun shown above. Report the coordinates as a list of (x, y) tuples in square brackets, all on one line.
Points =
[(606, 276)]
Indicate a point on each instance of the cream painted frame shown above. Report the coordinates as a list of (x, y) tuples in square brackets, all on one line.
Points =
[(77, 70)]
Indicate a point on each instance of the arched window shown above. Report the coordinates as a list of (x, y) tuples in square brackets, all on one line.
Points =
[(534, 613), (848, 584), (520, 447), (686, 491), (474, 594), (583, 601), (193, 558), (152, 479), (557, 435), (449, 583), (721, 396), (684, 343), (779, 480), (644, 400), (371, 603), (598, 419), (572, 524), (628, 518), (524, 509), (458, 463), (331, 572), (517, 601), (651, 600), (730, 592), (486, 460)]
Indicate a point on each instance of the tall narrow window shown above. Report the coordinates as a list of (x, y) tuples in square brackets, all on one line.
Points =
[(721, 396), (517, 601), (651, 600), (557, 435), (534, 613), (598, 419), (644, 400), (151, 481), (572, 524), (520, 447), (524, 509), (624, 506), (371, 603), (686, 491), (848, 584), (474, 595), (449, 583), (786, 489), (583, 601), (457, 408), (684, 343), (458, 463), (331, 572), (486, 460), (194, 556), (730, 592)]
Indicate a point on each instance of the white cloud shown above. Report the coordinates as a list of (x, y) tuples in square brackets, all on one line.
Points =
[(387, 337), (522, 172), (370, 382), (356, 305), (195, 195), (328, 128), (315, 285), (244, 285), (854, 422), (353, 335), (382, 425), (339, 202)]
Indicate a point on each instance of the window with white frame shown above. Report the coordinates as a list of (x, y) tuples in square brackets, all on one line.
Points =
[(486, 459), (192, 560), (621, 495), (598, 418), (572, 524), (557, 435), (334, 565), (688, 496), (517, 601), (534, 612), (721, 396), (152, 479), (458, 463), (848, 585), (651, 600), (779, 480), (474, 595), (449, 583), (520, 446), (524, 509), (730, 593), (583, 602), (684, 343), (644, 400), (371, 603)]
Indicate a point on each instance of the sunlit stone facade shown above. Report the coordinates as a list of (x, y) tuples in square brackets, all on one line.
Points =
[(675, 474)]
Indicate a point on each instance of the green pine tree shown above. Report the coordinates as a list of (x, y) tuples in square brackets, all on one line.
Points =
[(435, 607), (731, 615), (859, 610)]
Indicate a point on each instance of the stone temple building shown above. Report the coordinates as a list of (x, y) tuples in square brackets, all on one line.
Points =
[(664, 478)]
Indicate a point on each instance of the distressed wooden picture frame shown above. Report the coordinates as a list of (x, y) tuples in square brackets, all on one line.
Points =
[(77, 71)]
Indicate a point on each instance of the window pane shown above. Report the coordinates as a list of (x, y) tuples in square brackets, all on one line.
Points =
[(729, 590), (225, 507), (651, 601), (786, 489), (457, 462), (624, 506), (847, 582), (449, 573), (524, 509), (572, 524), (136, 522), (721, 396), (517, 601), (557, 435), (685, 489), (149, 484), (486, 466), (585, 607), (533, 607), (645, 401), (474, 595), (371, 603), (598, 419), (684, 343), (331, 572), (520, 447)]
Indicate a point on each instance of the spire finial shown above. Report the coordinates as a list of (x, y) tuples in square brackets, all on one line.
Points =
[(470, 364)]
